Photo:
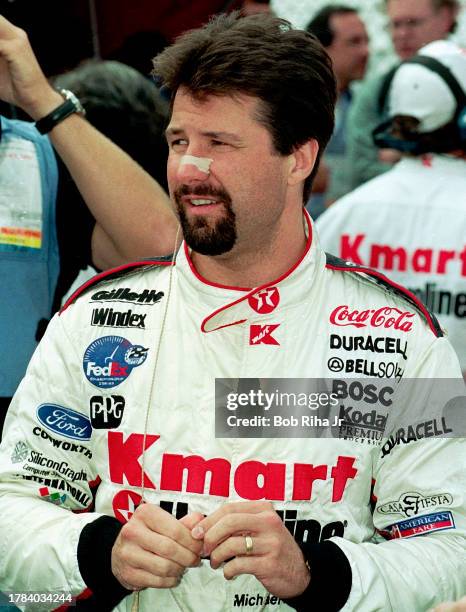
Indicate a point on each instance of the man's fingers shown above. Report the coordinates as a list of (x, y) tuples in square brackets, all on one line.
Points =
[(236, 546), (161, 522), (234, 508), (158, 544), (242, 565), (191, 520), (136, 579), (153, 564), (239, 524)]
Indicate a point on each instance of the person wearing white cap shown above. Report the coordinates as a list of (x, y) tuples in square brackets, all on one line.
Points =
[(412, 24), (411, 221)]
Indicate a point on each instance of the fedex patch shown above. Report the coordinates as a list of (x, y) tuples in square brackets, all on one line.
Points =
[(108, 361), (419, 525)]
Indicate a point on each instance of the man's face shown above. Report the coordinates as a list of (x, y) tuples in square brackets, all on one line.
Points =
[(349, 49), (415, 23), (241, 199)]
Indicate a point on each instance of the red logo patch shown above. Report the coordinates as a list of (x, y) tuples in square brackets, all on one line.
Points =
[(265, 300), (382, 317), (262, 334), (124, 504)]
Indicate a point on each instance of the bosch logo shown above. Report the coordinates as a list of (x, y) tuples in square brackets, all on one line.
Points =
[(363, 392)]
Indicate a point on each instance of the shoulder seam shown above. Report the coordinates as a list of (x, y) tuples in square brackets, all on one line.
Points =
[(341, 265), (114, 273)]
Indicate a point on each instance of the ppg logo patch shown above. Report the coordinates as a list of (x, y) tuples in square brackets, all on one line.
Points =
[(106, 412), (108, 361)]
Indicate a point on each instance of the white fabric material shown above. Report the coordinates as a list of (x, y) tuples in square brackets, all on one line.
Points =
[(419, 92), (400, 223), (38, 540)]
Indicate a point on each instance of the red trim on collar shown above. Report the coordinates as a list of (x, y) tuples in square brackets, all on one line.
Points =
[(98, 277), (274, 282), (377, 274), (251, 292)]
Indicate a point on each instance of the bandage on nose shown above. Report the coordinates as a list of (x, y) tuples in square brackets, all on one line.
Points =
[(201, 163)]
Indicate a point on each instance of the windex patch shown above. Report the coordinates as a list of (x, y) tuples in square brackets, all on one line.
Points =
[(106, 412), (108, 317), (108, 361)]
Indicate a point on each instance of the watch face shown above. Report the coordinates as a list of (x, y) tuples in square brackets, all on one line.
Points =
[(69, 95)]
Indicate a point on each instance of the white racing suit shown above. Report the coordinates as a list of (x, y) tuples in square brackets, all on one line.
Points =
[(74, 440)]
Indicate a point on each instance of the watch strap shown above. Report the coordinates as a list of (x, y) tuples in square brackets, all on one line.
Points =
[(70, 105)]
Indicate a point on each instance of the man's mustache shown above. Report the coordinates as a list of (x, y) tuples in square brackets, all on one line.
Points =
[(202, 190)]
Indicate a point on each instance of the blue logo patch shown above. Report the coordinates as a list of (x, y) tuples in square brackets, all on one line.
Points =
[(108, 361), (65, 421), (419, 525)]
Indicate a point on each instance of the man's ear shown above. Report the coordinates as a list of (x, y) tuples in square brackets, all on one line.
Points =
[(302, 161)]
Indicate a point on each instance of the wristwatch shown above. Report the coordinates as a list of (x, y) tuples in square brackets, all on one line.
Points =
[(70, 105)]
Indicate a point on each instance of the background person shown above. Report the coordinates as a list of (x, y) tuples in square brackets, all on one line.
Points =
[(343, 34), (48, 233), (411, 222), (412, 24)]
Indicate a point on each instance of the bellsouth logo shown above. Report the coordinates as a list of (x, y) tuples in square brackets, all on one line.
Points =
[(108, 361)]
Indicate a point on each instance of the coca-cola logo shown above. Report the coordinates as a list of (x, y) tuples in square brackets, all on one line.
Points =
[(387, 316)]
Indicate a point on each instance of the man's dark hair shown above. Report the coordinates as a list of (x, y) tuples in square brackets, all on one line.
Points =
[(127, 108), (320, 23), (264, 57)]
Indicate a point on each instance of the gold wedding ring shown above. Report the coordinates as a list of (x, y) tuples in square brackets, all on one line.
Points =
[(249, 544)]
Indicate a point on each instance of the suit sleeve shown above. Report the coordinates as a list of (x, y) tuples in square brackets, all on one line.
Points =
[(47, 473), (417, 557)]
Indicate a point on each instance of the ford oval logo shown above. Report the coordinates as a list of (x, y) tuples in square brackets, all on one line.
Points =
[(65, 421)]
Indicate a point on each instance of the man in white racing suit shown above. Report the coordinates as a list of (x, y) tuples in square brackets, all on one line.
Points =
[(112, 477)]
